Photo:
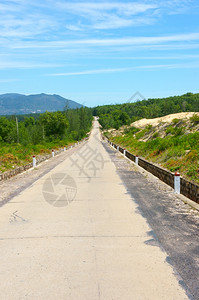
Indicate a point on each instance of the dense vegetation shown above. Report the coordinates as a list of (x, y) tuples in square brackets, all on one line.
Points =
[(114, 116), (22, 136), (177, 151)]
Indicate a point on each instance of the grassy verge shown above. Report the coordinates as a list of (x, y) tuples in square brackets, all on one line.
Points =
[(13, 155), (176, 153)]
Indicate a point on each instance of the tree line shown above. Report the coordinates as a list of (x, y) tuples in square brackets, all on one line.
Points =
[(69, 125), (114, 116)]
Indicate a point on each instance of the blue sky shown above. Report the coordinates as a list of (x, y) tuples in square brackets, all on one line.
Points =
[(99, 52)]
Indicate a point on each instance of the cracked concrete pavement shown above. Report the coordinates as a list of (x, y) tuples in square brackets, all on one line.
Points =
[(88, 241)]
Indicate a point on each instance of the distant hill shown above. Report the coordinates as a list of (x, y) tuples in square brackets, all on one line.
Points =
[(21, 104)]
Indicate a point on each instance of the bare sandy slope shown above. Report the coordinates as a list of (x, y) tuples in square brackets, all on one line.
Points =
[(166, 119)]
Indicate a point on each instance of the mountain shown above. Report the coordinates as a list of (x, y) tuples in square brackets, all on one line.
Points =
[(21, 104)]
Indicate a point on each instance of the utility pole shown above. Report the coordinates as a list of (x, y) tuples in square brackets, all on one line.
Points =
[(17, 125), (43, 132)]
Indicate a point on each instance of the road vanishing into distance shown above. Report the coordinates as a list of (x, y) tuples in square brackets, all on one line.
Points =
[(94, 228)]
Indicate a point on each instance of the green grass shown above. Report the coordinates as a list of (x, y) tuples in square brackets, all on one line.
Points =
[(177, 152), (13, 155)]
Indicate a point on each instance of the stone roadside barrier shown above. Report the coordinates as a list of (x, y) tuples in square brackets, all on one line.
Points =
[(187, 188)]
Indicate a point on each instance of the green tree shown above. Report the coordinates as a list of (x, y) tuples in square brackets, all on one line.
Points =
[(55, 124), (29, 121), (7, 129)]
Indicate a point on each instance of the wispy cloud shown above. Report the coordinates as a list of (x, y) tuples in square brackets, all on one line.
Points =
[(25, 19), (26, 65), (20, 20), (95, 9), (162, 57), (146, 67), (108, 15), (112, 15), (108, 42), (90, 72), (178, 6), (8, 80)]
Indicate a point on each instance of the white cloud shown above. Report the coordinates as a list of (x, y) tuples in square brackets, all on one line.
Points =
[(108, 15), (146, 67), (8, 80), (74, 27), (128, 41), (20, 20), (113, 15), (94, 9), (26, 65), (178, 6), (162, 57), (23, 19), (90, 72)]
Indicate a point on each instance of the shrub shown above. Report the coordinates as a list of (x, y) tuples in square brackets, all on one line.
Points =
[(148, 127), (131, 130), (195, 119), (175, 121), (178, 131), (170, 130), (156, 134)]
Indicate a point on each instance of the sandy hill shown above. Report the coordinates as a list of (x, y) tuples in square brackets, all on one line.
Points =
[(173, 124), (166, 119)]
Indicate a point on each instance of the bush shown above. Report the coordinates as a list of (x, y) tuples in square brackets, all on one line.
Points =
[(176, 131), (148, 127), (169, 130), (156, 134), (195, 119), (131, 130), (175, 121)]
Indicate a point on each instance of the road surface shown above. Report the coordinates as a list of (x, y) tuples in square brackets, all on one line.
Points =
[(77, 234)]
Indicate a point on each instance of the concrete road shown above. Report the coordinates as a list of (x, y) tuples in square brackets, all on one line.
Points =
[(76, 234)]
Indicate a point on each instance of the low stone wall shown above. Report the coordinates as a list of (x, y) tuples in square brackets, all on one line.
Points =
[(40, 159), (187, 188), (18, 170), (130, 156), (157, 171)]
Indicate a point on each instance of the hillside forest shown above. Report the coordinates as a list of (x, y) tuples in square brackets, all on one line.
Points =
[(174, 145), (24, 135), (114, 116)]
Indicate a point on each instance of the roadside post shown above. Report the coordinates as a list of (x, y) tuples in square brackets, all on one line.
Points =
[(34, 161), (136, 160), (177, 183), (53, 153)]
